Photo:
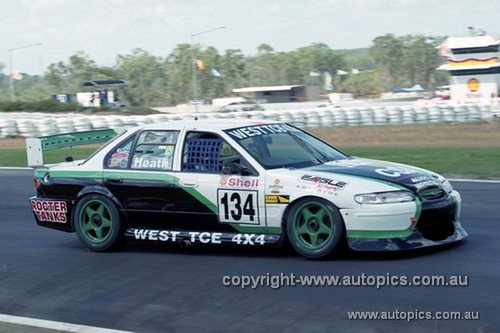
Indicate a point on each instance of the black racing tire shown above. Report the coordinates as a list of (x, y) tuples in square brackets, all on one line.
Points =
[(97, 223), (315, 228)]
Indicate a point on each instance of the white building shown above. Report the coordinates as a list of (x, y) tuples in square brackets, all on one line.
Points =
[(474, 65)]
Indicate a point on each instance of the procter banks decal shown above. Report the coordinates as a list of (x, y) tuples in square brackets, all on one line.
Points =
[(50, 211)]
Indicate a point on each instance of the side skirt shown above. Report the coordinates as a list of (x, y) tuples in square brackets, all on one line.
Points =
[(203, 237)]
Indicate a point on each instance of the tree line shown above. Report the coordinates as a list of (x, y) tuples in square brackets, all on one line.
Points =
[(389, 62)]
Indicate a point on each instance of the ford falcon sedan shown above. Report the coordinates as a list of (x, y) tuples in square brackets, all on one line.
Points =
[(239, 182)]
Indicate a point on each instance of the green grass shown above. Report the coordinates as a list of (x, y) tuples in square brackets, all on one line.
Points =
[(452, 149), (466, 162), (469, 162), (16, 157)]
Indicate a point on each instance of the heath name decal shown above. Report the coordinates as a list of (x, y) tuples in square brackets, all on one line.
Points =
[(150, 163)]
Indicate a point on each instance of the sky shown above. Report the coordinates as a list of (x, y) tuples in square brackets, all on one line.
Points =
[(37, 33)]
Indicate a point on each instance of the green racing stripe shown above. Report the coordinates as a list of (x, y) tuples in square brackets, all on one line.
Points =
[(140, 175), (380, 233)]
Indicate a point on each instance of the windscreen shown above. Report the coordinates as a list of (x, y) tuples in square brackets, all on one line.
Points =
[(282, 145)]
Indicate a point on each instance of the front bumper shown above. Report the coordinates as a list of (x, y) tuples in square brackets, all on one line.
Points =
[(438, 223)]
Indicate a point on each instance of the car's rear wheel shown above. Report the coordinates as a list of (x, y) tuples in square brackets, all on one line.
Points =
[(97, 223), (315, 228)]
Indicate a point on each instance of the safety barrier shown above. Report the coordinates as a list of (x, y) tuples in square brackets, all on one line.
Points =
[(42, 124)]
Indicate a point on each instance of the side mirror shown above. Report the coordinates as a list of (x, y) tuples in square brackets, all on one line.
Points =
[(231, 168)]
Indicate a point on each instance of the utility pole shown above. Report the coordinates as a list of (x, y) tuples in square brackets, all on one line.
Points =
[(11, 69)]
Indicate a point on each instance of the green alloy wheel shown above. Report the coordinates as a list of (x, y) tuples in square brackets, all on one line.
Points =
[(97, 223), (315, 228)]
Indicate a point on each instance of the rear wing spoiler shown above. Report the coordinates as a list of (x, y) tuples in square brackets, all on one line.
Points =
[(36, 146)]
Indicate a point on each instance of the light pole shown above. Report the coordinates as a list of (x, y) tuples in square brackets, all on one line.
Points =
[(193, 66), (11, 69)]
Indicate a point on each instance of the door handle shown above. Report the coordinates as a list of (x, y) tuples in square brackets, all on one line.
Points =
[(189, 183), (115, 180)]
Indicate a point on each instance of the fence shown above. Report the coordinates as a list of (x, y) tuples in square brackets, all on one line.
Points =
[(36, 124)]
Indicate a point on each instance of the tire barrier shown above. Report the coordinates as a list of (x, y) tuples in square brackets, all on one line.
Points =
[(42, 124)]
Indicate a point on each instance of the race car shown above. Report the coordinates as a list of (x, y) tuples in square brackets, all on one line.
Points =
[(240, 182)]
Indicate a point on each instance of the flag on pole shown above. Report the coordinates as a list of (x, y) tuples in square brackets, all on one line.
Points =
[(215, 73), (16, 75), (199, 65), (328, 81)]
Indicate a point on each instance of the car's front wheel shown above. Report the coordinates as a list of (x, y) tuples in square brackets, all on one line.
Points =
[(315, 228), (97, 223)]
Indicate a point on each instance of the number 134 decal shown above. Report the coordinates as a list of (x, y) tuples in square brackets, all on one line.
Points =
[(238, 206)]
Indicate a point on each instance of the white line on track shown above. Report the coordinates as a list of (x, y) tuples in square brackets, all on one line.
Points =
[(16, 168), (53, 325), (491, 181)]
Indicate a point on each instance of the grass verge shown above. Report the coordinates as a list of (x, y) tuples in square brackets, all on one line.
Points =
[(16, 157), (481, 163), (458, 150)]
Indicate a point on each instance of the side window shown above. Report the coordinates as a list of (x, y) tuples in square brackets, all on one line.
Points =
[(201, 152), (206, 153), (154, 150), (118, 158), (228, 154)]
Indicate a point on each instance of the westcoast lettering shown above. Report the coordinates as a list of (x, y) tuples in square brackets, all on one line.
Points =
[(174, 236), (245, 132)]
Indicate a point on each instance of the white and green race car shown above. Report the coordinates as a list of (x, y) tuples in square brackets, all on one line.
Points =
[(240, 182)]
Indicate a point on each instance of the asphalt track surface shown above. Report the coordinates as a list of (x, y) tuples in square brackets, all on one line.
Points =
[(46, 274)]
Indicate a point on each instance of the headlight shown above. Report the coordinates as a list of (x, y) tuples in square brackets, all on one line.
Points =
[(384, 197), (446, 186)]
